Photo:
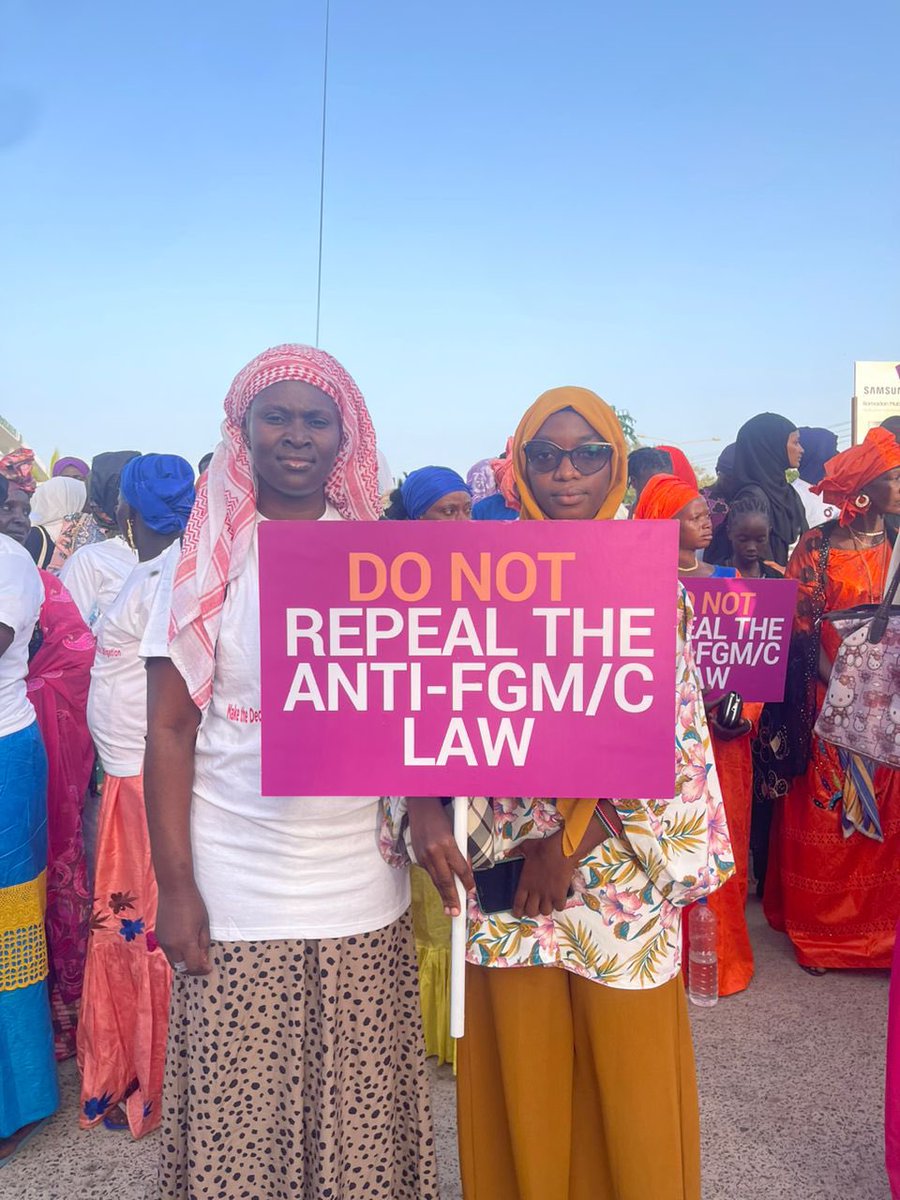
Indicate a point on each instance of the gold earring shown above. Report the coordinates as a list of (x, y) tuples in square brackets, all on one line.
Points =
[(862, 500), (129, 534)]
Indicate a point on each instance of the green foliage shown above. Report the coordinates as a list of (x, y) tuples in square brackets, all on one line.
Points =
[(629, 427)]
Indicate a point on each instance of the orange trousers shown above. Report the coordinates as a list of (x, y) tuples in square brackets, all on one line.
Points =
[(571, 1090)]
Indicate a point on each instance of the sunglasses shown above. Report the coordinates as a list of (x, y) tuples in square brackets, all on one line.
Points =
[(587, 459)]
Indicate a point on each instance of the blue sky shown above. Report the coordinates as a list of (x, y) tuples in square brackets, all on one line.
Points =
[(692, 210)]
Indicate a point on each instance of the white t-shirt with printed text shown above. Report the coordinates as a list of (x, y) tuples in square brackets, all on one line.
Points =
[(272, 867), (94, 576)]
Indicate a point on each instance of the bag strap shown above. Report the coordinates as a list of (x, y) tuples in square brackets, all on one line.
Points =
[(880, 620)]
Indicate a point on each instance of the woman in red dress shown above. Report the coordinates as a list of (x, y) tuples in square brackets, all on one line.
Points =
[(833, 883)]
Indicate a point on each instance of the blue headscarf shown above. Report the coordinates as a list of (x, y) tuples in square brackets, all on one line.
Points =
[(818, 446), (422, 488), (161, 488)]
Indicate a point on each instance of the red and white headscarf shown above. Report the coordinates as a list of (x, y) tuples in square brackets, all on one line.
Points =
[(220, 531)]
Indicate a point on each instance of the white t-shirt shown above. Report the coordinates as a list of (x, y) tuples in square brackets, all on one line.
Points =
[(117, 701), (817, 511), (94, 575), (21, 597), (274, 867)]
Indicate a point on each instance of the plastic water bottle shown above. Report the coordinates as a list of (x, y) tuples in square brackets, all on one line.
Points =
[(703, 960)]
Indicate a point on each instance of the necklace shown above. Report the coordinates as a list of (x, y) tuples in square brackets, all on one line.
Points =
[(869, 536), (874, 598), (687, 570)]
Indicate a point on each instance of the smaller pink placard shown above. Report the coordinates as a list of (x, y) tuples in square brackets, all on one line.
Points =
[(742, 634)]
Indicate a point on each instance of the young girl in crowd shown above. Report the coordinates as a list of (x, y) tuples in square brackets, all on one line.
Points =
[(122, 1032), (749, 527), (573, 1030), (295, 1064), (666, 498)]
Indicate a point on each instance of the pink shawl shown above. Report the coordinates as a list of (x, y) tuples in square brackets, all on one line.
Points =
[(220, 530)]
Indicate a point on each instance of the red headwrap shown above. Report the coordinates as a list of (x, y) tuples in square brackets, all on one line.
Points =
[(16, 467), (663, 498), (680, 466), (847, 474)]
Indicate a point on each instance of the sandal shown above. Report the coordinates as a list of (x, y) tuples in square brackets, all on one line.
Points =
[(116, 1120)]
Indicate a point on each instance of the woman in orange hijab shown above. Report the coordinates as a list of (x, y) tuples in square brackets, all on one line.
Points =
[(591, 1026), (666, 497), (833, 881)]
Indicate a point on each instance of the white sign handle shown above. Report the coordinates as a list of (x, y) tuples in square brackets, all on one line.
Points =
[(458, 926)]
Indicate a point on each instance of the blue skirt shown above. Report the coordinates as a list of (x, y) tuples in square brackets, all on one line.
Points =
[(28, 1086)]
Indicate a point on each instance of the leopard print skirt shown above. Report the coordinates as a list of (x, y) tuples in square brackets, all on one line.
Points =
[(297, 1069)]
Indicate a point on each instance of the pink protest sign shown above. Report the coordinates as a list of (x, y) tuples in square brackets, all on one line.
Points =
[(457, 658), (742, 633)]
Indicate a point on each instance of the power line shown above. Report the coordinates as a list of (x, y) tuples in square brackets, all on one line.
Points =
[(322, 172)]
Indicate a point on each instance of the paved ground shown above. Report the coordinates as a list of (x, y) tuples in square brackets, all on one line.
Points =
[(791, 1086)]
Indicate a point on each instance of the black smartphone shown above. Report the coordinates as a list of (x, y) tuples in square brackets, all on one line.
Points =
[(497, 886), (731, 711)]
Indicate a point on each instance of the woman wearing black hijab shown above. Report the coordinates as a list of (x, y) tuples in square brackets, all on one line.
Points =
[(767, 446)]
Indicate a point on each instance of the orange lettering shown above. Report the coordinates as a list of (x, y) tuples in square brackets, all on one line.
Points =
[(460, 568), (503, 576), (410, 556), (355, 562)]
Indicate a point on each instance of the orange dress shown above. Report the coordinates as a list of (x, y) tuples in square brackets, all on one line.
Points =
[(837, 898), (734, 765)]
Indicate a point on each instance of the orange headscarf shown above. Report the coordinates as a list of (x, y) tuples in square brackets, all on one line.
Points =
[(663, 498), (598, 414), (847, 474), (576, 813), (680, 466)]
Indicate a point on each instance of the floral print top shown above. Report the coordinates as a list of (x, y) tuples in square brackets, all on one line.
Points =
[(622, 924)]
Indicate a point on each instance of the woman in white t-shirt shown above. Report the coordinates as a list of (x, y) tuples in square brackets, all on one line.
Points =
[(121, 1046), (28, 1088), (295, 1061), (94, 574)]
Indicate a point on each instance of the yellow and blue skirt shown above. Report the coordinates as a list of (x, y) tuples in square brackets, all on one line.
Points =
[(28, 1086)]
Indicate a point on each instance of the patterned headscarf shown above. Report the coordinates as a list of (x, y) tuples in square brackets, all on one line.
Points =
[(220, 531), (16, 467), (848, 473), (480, 479)]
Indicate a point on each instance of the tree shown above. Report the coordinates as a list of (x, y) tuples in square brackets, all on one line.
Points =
[(628, 423)]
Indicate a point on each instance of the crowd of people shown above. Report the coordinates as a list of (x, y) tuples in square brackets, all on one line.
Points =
[(249, 976)]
